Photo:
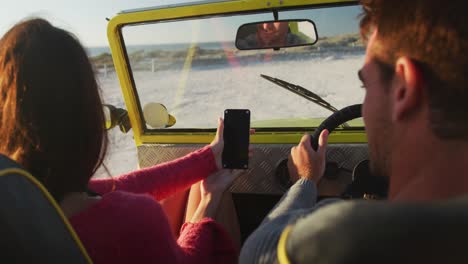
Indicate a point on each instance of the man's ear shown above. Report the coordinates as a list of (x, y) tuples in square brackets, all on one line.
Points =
[(408, 88)]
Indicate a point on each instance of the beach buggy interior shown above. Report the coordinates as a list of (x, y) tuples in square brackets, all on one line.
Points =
[(179, 67)]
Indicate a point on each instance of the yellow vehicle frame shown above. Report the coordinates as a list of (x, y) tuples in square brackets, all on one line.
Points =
[(114, 35)]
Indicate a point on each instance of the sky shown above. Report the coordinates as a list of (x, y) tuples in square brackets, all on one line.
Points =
[(87, 18), (329, 22)]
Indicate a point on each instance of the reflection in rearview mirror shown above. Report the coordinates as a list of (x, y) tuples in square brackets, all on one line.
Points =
[(156, 116), (276, 34)]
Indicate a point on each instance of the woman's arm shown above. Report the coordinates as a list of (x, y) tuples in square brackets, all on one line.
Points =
[(194, 240), (164, 179), (212, 189), (143, 235), (207, 207)]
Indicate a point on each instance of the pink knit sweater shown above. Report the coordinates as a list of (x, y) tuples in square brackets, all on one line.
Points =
[(128, 225)]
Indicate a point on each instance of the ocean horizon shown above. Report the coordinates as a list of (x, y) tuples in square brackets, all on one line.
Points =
[(98, 50)]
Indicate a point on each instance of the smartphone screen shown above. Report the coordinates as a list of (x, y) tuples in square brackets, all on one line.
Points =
[(236, 139)]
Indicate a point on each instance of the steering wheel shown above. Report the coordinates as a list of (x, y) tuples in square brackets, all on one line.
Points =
[(339, 117), (363, 182)]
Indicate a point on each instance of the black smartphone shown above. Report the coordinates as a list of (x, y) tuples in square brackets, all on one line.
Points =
[(236, 139)]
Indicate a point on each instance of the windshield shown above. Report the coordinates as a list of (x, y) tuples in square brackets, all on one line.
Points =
[(194, 68)]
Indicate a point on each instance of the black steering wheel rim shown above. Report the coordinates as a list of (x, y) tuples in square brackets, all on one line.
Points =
[(366, 184), (333, 121)]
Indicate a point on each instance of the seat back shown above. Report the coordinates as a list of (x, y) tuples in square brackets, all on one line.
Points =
[(379, 232), (33, 229)]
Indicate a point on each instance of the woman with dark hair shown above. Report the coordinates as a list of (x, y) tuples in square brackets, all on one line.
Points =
[(52, 123)]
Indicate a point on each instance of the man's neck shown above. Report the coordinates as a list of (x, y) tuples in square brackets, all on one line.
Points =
[(431, 169)]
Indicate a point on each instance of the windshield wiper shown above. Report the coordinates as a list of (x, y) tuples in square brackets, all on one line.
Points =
[(301, 91)]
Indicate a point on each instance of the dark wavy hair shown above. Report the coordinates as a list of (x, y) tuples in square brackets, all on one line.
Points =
[(51, 115), (434, 35)]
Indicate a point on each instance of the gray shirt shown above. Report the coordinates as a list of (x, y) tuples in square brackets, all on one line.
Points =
[(298, 202), (360, 231)]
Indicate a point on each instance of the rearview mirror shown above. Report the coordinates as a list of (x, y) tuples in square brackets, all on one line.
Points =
[(276, 34), (157, 116)]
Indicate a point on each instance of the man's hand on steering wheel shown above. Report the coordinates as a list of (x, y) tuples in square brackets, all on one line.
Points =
[(304, 162)]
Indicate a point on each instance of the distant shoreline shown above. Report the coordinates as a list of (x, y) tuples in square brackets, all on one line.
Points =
[(166, 57), (98, 50)]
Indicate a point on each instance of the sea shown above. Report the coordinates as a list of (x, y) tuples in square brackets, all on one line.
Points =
[(96, 51)]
